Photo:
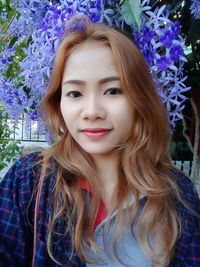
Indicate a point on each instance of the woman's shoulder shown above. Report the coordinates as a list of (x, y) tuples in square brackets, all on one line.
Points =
[(19, 186), (22, 178), (182, 180), (17, 205), (28, 165), (25, 170), (187, 189), (188, 205), (188, 244)]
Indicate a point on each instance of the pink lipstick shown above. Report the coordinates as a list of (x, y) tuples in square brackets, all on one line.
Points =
[(96, 133)]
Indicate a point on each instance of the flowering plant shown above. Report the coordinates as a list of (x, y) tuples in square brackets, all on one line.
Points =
[(9, 148), (30, 35), (195, 8)]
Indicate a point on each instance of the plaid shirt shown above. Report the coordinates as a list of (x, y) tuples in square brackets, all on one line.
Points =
[(17, 218)]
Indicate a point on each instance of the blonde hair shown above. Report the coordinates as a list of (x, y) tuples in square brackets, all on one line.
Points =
[(144, 159)]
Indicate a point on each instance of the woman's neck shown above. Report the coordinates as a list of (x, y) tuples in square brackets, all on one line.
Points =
[(107, 171)]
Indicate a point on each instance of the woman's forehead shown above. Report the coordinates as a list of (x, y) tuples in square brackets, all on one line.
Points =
[(91, 58)]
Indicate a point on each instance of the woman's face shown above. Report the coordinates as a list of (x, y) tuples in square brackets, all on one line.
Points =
[(95, 109)]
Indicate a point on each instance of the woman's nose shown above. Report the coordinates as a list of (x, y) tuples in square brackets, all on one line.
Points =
[(93, 109)]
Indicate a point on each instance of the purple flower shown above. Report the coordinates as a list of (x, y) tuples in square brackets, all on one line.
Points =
[(175, 28), (148, 34), (33, 115), (10, 59), (167, 38), (149, 55), (4, 60), (176, 52), (163, 62), (98, 4), (94, 16), (195, 8)]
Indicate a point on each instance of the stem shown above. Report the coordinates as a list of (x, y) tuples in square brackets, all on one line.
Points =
[(195, 55), (13, 17), (6, 38), (184, 132), (196, 139)]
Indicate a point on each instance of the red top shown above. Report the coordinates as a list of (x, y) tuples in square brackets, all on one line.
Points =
[(101, 215)]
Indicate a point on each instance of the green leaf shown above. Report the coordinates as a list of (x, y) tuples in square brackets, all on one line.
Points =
[(3, 2), (4, 26), (131, 10), (7, 2), (121, 1), (13, 41), (2, 165), (4, 5), (11, 13)]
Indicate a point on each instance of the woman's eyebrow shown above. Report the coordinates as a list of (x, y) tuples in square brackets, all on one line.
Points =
[(79, 82), (109, 79), (102, 81)]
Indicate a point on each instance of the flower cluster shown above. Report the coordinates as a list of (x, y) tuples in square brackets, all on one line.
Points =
[(14, 99), (43, 23), (31, 13), (162, 46), (25, 19), (195, 8), (6, 57)]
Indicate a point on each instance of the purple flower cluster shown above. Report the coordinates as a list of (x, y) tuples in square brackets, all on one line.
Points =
[(195, 8), (44, 23), (24, 22), (14, 98), (31, 13), (161, 44), (6, 57)]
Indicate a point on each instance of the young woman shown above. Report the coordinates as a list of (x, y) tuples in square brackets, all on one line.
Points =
[(106, 192)]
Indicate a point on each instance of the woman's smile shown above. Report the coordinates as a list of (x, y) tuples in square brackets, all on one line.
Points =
[(96, 133)]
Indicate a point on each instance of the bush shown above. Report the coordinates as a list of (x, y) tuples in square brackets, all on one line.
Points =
[(9, 148)]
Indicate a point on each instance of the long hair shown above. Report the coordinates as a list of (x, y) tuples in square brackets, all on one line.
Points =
[(144, 158)]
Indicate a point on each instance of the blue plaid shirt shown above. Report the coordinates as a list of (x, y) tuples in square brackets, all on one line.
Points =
[(17, 217)]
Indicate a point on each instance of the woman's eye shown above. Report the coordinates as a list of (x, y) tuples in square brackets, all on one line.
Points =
[(113, 91), (74, 94)]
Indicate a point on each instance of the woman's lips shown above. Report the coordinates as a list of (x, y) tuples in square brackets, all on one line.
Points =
[(96, 133)]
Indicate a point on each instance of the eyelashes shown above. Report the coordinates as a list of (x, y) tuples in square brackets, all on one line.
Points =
[(113, 91), (110, 91), (74, 94)]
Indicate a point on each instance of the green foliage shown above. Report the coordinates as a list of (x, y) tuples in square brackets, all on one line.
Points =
[(131, 10), (14, 68), (7, 38), (4, 3), (9, 148)]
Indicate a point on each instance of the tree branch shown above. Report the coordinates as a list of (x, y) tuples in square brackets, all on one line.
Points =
[(196, 139), (184, 132)]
